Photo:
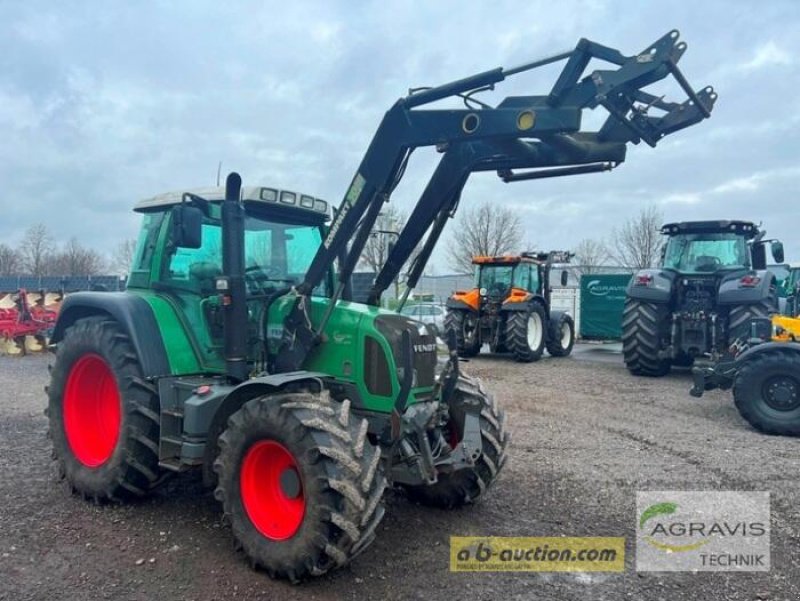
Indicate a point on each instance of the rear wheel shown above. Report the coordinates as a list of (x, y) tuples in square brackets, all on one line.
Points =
[(643, 328), (466, 485), (562, 336), (740, 316), (103, 414), (767, 392), (466, 326), (525, 334), (300, 483)]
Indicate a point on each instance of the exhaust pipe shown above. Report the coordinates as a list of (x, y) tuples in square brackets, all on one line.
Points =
[(231, 285)]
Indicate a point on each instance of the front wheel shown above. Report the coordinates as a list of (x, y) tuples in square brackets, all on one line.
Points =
[(525, 333), (464, 486), (300, 482), (562, 336), (104, 420), (767, 392), (466, 326)]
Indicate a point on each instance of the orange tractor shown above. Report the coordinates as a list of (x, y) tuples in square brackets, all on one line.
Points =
[(509, 308)]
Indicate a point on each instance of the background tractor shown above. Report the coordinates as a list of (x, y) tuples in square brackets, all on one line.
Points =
[(509, 308), (763, 368), (711, 283), (236, 348)]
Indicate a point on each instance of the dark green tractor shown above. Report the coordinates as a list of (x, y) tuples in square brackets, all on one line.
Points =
[(236, 348)]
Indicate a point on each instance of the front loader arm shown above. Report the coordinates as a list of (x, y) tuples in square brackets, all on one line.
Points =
[(527, 132)]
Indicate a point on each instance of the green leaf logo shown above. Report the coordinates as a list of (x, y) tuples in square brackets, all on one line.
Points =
[(657, 509)]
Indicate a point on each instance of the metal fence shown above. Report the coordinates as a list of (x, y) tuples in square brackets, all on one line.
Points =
[(52, 283)]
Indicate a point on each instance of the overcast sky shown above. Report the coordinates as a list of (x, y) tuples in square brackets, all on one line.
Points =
[(105, 103)]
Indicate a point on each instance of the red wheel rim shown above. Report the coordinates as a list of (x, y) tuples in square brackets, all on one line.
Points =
[(275, 511), (92, 411)]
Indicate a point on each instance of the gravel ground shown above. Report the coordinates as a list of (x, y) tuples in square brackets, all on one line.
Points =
[(586, 437)]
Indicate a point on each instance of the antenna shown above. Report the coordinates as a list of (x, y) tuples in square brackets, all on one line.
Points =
[(219, 170)]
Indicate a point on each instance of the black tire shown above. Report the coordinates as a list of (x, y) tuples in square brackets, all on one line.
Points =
[(740, 316), (767, 392), (523, 348), (80, 389), (465, 486), (340, 479), (562, 336), (465, 324), (643, 327)]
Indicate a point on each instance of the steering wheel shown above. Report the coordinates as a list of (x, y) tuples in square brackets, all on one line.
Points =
[(707, 263), (258, 277), (267, 272)]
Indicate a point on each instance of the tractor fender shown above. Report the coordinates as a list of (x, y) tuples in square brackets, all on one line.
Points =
[(524, 305), (731, 292), (790, 347), (133, 314), (213, 419), (659, 290), (454, 303)]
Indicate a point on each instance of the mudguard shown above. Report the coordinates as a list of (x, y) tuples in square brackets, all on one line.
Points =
[(454, 303), (210, 420), (793, 347), (131, 312), (524, 305), (731, 292), (658, 291)]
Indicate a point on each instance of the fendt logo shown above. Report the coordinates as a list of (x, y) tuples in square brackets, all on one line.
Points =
[(596, 288), (425, 348)]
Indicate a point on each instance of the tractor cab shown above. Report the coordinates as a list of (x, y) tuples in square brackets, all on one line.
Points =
[(497, 278), (714, 246), (179, 257), (505, 277)]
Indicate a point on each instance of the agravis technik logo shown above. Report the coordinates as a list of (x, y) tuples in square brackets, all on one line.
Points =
[(702, 531)]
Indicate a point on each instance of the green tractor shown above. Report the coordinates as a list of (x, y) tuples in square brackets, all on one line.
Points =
[(236, 349)]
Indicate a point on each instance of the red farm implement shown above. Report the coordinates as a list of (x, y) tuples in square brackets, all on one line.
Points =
[(26, 321)]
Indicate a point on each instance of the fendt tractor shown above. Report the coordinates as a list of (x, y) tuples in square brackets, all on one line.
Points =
[(712, 281), (763, 368), (509, 308), (236, 348)]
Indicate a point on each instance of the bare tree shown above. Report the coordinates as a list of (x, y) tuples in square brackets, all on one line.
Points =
[(376, 251), (589, 255), (75, 259), (638, 242), (36, 249), (489, 230), (122, 258), (10, 262)]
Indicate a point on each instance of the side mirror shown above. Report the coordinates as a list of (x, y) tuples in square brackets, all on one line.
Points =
[(564, 277), (187, 226), (759, 254), (777, 251)]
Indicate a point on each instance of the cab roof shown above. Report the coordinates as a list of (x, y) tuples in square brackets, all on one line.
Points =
[(557, 256), (745, 228), (249, 194)]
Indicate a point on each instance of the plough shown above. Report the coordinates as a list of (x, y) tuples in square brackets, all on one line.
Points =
[(26, 321)]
